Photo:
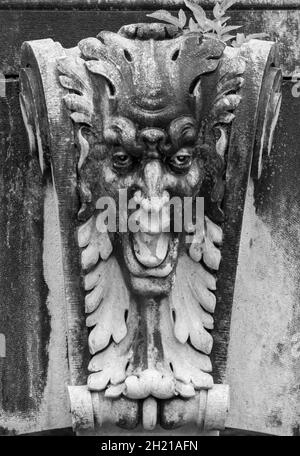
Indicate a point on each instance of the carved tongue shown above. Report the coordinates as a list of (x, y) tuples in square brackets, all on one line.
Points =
[(150, 249)]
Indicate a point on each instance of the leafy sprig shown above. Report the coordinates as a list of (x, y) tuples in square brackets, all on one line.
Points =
[(211, 28), (241, 38)]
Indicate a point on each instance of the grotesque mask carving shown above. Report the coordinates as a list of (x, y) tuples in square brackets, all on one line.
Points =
[(152, 110)]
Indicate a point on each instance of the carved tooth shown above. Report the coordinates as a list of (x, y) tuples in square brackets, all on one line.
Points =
[(151, 250), (211, 255), (98, 381)]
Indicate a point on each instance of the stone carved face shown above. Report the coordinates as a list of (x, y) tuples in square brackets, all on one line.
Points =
[(152, 169), (151, 111), (148, 102)]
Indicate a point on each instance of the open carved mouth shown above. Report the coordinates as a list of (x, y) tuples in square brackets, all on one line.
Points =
[(150, 255), (150, 252), (150, 249)]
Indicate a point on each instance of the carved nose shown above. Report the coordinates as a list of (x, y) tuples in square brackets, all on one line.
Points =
[(153, 174)]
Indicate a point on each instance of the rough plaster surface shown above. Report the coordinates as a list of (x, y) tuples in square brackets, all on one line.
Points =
[(54, 409), (264, 359), (55, 406)]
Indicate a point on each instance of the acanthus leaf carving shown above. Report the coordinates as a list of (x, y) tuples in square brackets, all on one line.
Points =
[(150, 296), (152, 113), (104, 67)]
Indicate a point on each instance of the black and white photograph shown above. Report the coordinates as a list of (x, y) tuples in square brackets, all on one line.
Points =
[(149, 222)]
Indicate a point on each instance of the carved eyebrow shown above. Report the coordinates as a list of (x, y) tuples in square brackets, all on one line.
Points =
[(121, 131), (182, 131)]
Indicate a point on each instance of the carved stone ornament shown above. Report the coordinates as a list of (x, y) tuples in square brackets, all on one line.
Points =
[(151, 114)]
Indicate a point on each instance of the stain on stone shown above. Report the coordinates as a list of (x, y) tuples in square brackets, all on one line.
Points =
[(274, 419), (23, 292), (280, 348), (6, 431), (278, 353)]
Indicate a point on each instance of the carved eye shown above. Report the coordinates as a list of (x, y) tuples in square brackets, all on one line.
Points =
[(121, 160), (175, 55), (127, 55), (181, 161)]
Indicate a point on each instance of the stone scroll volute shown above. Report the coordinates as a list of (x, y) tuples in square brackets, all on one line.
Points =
[(150, 114)]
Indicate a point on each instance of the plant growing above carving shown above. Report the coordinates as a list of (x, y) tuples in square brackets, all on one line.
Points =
[(211, 28)]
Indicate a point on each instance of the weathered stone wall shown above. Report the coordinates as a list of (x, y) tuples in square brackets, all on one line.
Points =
[(264, 350), (263, 364)]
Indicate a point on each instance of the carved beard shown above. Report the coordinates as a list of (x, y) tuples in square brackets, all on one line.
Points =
[(177, 324)]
